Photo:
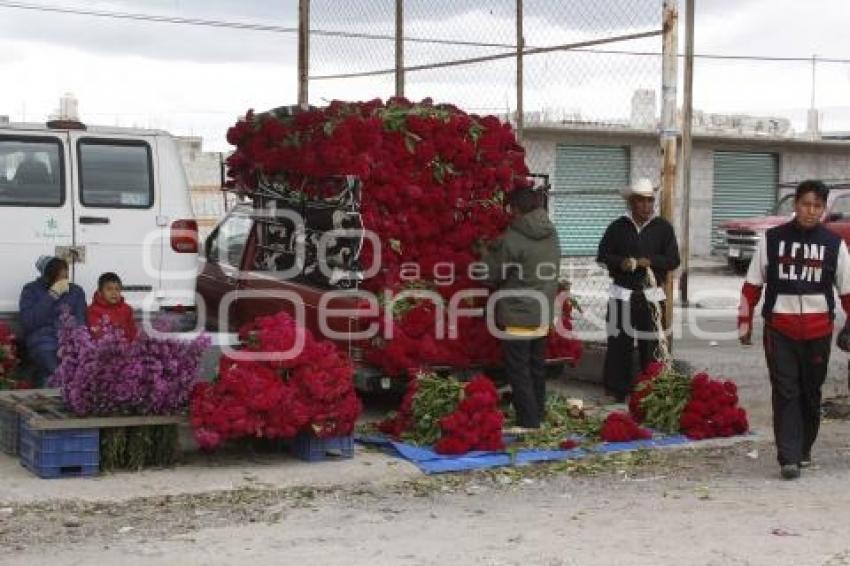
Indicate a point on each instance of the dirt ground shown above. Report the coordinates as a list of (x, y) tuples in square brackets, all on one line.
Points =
[(707, 504)]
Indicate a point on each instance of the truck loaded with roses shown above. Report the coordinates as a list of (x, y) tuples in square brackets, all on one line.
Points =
[(364, 221)]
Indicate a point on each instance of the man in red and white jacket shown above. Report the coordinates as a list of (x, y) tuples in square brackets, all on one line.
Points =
[(798, 264)]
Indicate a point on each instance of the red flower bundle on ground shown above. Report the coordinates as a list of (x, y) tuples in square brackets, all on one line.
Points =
[(9, 361), (641, 386), (434, 180), (274, 397), (713, 409), (477, 422), (620, 427), (454, 417)]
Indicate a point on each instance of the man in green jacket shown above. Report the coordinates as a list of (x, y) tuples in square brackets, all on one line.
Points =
[(524, 266)]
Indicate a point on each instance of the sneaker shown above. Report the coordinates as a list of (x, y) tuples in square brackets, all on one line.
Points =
[(790, 471), (806, 462)]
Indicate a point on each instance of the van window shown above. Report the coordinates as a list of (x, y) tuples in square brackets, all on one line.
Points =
[(31, 172), (115, 174)]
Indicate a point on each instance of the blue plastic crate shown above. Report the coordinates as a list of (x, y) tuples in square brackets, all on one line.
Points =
[(311, 449), (9, 424), (60, 453)]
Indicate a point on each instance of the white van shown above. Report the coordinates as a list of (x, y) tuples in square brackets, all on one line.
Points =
[(105, 199)]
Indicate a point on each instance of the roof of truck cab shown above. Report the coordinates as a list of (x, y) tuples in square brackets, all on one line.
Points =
[(113, 130)]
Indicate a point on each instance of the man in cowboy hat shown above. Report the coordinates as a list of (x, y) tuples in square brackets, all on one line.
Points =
[(637, 241)]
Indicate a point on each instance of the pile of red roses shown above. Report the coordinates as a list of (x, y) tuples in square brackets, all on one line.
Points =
[(273, 397), (9, 361), (641, 386), (434, 182), (477, 422), (620, 427), (472, 421), (713, 409)]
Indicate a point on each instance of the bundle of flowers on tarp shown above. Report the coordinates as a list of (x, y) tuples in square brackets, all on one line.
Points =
[(113, 376), (9, 361), (452, 416), (434, 183), (699, 407), (274, 390)]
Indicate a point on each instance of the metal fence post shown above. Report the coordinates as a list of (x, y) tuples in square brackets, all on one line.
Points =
[(399, 47), (687, 145), (670, 26), (303, 52), (520, 45)]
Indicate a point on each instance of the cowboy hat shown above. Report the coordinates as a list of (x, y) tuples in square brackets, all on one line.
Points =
[(641, 188)]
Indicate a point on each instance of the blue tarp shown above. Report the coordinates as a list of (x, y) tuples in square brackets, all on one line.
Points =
[(432, 463)]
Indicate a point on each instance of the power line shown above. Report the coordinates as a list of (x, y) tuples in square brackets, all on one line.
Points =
[(177, 20), (249, 26)]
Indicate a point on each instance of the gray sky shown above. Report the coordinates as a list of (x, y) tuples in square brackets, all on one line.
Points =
[(198, 80)]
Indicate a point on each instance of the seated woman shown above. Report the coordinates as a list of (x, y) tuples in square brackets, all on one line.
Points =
[(40, 306)]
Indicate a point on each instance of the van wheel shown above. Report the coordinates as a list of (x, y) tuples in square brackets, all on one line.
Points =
[(739, 266)]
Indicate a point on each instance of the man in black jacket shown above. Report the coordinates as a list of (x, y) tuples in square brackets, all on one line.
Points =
[(637, 241), (525, 264)]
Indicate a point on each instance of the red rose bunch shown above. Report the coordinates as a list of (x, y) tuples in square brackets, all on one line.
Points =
[(641, 387), (713, 409), (434, 181), (455, 417), (275, 397), (9, 361), (477, 422), (620, 427)]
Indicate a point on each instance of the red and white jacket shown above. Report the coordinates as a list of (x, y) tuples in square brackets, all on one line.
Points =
[(801, 270)]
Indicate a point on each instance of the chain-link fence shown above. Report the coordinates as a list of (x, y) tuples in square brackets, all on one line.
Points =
[(587, 66)]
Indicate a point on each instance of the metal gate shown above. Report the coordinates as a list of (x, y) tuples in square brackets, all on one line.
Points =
[(744, 186), (586, 194)]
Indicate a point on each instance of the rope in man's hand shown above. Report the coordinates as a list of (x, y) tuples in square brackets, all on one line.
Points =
[(662, 351)]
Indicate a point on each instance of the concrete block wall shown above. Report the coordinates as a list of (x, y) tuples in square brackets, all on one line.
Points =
[(796, 161)]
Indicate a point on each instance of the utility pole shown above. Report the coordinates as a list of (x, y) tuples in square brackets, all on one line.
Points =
[(303, 52), (687, 146), (520, 46), (669, 63), (399, 47)]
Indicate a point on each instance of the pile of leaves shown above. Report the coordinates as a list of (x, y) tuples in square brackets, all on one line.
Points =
[(434, 185), (452, 416), (279, 392), (565, 426)]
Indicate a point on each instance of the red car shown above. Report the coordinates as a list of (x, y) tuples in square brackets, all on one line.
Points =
[(229, 279), (742, 236)]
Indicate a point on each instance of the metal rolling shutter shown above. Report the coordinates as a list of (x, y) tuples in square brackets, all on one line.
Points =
[(586, 194), (744, 185)]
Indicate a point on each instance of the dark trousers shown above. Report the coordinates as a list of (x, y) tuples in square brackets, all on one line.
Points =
[(628, 321), (797, 372), (525, 368), (45, 362)]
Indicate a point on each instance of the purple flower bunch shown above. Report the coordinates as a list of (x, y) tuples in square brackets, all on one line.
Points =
[(113, 376)]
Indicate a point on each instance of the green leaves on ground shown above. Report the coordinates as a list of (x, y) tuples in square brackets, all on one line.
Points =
[(664, 404)]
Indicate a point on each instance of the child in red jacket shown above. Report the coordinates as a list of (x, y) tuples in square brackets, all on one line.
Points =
[(109, 304)]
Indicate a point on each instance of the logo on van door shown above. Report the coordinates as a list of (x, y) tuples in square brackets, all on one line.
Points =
[(51, 230)]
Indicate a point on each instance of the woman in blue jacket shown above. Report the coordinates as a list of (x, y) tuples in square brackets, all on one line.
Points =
[(41, 304)]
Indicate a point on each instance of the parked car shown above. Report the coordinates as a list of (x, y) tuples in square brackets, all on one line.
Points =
[(104, 199), (233, 276), (742, 236)]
